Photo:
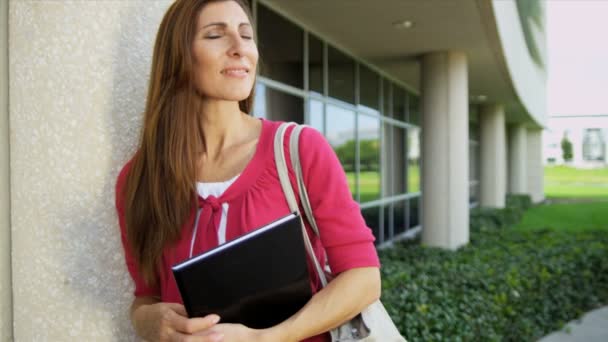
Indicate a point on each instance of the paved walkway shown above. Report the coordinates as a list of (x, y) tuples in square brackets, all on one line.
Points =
[(593, 327)]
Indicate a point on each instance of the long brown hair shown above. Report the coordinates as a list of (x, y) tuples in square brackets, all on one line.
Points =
[(160, 193)]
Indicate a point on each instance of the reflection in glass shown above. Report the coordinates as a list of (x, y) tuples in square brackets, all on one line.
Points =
[(259, 102), (315, 64), (399, 217), (414, 110), (372, 220), (414, 212), (398, 103), (369, 158), (399, 160), (413, 160), (284, 64), (388, 209), (369, 88), (276, 105), (316, 115), (473, 158), (473, 193), (386, 97), (340, 132), (341, 76)]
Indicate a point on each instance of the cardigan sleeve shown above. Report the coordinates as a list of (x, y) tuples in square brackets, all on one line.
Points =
[(141, 288), (348, 241)]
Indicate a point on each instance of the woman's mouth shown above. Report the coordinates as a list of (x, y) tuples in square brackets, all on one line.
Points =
[(236, 72)]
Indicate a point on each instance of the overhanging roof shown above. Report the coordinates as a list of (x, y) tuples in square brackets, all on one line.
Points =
[(365, 29)]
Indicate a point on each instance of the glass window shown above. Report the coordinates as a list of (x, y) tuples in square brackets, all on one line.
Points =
[(413, 160), (473, 193), (386, 97), (341, 76), (400, 217), (414, 110), (399, 160), (388, 222), (276, 105), (398, 103), (316, 116), (315, 64), (281, 46), (369, 158), (369, 85), (414, 212), (372, 220), (340, 128), (473, 131)]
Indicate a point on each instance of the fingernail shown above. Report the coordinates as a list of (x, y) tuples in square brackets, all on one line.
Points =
[(216, 319)]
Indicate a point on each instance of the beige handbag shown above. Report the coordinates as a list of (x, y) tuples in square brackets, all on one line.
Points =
[(373, 324)]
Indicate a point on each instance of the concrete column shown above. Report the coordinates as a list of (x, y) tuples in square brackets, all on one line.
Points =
[(536, 173), (518, 181), (445, 158), (493, 156), (6, 301)]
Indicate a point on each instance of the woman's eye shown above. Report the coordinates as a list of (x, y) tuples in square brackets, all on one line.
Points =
[(213, 37), (247, 37)]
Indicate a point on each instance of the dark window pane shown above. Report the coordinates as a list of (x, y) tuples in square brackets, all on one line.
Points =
[(473, 131), (369, 158), (276, 105), (341, 76), (388, 221), (372, 220), (414, 212), (281, 46), (414, 110), (413, 160), (399, 217), (341, 135), (369, 85), (386, 107), (398, 103), (316, 115), (398, 160), (315, 64), (473, 193)]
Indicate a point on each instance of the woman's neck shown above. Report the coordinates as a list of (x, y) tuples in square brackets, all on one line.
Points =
[(222, 124)]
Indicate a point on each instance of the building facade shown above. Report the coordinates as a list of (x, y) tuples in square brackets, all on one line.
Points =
[(431, 106), (587, 134)]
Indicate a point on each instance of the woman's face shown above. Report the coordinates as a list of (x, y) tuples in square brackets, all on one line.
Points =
[(225, 53)]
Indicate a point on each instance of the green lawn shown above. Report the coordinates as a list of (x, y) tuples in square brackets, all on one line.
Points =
[(568, 182), (570, 217), (369, 183)]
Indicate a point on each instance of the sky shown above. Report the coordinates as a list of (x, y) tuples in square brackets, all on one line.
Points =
[(577, 57)]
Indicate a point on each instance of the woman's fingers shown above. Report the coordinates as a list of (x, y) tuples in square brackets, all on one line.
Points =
[(210, 337), (178, 308), (192, 325)]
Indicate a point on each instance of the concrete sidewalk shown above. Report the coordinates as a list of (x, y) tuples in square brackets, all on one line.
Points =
[(592, 327)]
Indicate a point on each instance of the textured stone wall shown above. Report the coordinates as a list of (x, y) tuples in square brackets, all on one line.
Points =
[(78, 76)]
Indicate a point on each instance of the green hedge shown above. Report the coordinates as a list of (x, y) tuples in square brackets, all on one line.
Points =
[(504, 286)]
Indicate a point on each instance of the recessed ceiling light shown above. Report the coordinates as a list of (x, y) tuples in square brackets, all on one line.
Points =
[(403, 24)]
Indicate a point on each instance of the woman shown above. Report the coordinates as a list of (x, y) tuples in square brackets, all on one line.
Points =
[(200, 149)]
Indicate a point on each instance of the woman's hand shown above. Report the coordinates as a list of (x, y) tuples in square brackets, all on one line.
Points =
[(241, 333), (168, 322)]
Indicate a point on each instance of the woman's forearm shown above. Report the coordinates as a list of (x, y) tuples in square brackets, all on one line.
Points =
[(343, 298)]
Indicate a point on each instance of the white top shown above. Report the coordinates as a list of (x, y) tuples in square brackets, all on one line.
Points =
[(216, 189)]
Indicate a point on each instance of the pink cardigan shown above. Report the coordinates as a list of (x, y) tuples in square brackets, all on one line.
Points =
[(256, 198)]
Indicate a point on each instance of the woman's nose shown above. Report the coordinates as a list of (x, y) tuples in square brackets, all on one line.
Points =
[(236, 46)]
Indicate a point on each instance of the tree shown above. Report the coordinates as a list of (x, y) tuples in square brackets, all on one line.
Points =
[(566, 149)]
